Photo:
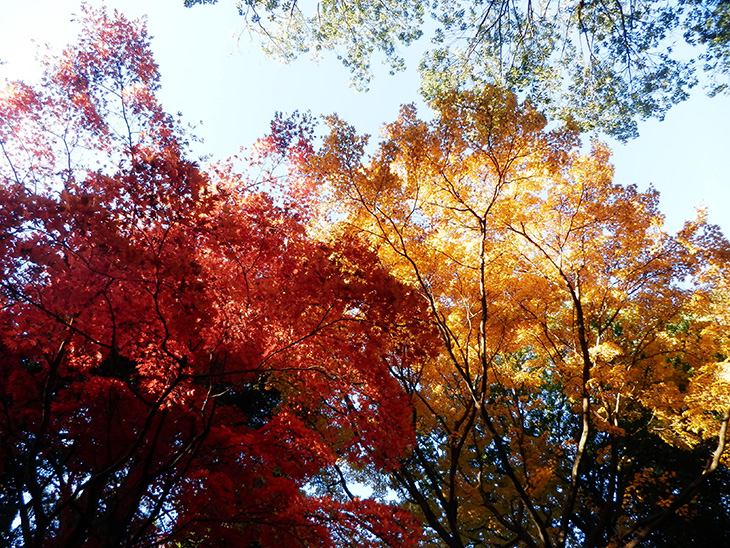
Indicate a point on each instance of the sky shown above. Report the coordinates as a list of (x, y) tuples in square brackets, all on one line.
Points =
[(214, 73)]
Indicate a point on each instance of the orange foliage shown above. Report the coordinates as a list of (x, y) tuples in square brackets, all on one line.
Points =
[(575, 334)]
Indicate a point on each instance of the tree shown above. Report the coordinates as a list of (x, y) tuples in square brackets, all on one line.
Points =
[(603, 64), (180, 359), (579, 394)]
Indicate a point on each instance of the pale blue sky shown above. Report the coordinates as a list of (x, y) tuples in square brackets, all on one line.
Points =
[(213, 73)]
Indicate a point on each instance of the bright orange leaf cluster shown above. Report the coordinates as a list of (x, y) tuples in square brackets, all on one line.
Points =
[(583, 351)]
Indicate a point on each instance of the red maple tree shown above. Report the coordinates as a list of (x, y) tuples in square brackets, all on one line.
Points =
[(179, 357)]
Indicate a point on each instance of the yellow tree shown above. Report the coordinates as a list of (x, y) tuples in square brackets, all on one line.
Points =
[(579, 382)]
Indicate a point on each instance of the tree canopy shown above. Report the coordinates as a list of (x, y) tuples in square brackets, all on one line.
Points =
[(179, 358), (603, 64), (579, 395), (475, 320)]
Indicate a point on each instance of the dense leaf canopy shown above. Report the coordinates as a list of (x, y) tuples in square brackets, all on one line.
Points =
[(179, 358), (476, 321), (604, 64), (580, 394)]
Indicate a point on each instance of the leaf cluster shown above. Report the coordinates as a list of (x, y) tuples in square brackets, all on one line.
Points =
[(605, 65), (578, 395), (180, 357)]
